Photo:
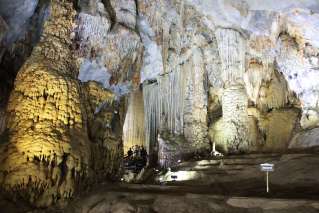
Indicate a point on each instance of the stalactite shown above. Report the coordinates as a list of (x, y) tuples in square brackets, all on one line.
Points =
[(171, 101), (273, 94), (257, 73), (165, 102), (134, 130), (182, 103), (264, 85), (151, 112), (232, 48)]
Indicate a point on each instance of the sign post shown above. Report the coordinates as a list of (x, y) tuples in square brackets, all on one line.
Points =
[(267, 167)]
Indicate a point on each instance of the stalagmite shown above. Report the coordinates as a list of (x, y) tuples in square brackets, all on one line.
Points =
[(48, 143), (234, 123), (235, 118)]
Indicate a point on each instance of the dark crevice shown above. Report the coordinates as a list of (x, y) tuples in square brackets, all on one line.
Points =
[(63, 168), (16, 54), (76, 5), (111, 12), (136, 5)]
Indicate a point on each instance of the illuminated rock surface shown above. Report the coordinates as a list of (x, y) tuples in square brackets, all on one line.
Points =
[(83, 81), (50, 152)]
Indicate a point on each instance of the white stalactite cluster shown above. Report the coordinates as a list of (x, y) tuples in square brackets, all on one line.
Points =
[(232, 50), (164, 106), (151, 112), (180, 102), (171, 101)]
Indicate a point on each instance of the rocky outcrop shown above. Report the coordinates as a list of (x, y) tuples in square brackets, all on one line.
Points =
[(105, 121), (307, 139), (56, 142), (47, 151)]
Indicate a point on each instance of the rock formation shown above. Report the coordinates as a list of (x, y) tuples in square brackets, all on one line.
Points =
[(95, 77), (56, 142)]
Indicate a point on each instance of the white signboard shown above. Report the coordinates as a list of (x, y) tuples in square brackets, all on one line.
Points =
[(267, 167)]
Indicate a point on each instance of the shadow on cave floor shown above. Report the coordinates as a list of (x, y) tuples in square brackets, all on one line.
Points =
[(296, 178)]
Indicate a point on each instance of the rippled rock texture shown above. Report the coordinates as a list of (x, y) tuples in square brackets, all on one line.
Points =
[(242, 74), (55, 142)]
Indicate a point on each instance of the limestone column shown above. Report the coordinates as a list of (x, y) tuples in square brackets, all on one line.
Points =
[(48, 151), (195, 103), (234, 131)]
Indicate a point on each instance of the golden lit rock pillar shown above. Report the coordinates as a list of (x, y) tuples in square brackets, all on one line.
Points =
[(231, 132), (134, 129), (47, 152)]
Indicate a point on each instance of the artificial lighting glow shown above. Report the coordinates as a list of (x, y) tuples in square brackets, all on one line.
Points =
[(178, 176)]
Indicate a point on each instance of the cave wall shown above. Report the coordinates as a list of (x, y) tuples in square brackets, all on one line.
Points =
[(235, 44), (240, 74)]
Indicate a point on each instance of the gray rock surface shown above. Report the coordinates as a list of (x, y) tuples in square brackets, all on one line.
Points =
[(305, 139)]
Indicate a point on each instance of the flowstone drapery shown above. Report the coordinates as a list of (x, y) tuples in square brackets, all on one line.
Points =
[(134, 128)]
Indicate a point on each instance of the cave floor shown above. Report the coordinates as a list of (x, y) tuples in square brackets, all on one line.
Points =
[(234, 185), (175, 199), (295, 176)]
